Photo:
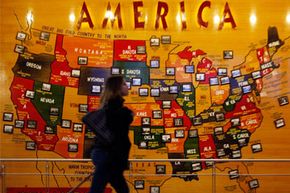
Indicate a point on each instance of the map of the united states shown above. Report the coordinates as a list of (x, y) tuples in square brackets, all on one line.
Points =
[(185, 107)]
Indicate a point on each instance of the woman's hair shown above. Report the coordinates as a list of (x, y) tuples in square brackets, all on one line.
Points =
[(112, 89)]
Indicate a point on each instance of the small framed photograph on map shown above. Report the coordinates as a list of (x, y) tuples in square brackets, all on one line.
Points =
[(154, 41), (170, 71), (146, 130), (193, 133), (49, 130), (177, 163), (199, 76), (222, 71), (154, 92), (154, 189), (225, 80), (44, 36), (7, 116), (242, 142), (54, 111), (7, 128), (236, 73), (65, 123), (46, 87), (155, 63), (187, 87), (136, 81), (83, 108), (143, 91), (82, 60), (21, 36), (31, 124), (173, 89), (19, 49), (247, 89), (157, 114), (235, 122), (166, 104), (141, 50), (160, 169), (253, 184), (256, 74), (73, 147), (19, 124), (115, 71), (221, 152), (236, 154), (283, 100), (218, 130), (139, 184), (213, 81), (196, 166), (197, 120), (75, 73), (143, 145), (179, 133), (233, 174), (96, 89), (209, 164), (166, 39), (30, 145), (29, 94), (166, 138), (257, 147), (279, 123), (219, 117), (189, 69), (146, 121), (228, 54), (77, 127), (178, 122)]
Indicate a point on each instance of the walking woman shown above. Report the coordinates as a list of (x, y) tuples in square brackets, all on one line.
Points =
[(111, 160)]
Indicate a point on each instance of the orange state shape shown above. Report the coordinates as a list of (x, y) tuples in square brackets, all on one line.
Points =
[(179, 64), (181, 76), (177, 144), (145, 110), (219, 93), (99, 52), (67, 137)]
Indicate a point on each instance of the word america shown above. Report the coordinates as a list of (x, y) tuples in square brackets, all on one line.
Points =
[(162, 13)]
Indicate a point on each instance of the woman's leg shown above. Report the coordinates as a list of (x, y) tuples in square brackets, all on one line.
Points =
[(101, 174), (118, 181)]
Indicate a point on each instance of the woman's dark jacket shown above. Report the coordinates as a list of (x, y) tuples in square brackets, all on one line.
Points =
[(118, 120)]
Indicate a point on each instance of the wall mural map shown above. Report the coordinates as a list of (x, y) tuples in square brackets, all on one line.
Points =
[(185, 105)]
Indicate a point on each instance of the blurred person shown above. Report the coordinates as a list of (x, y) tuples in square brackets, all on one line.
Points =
[(111, 159)]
